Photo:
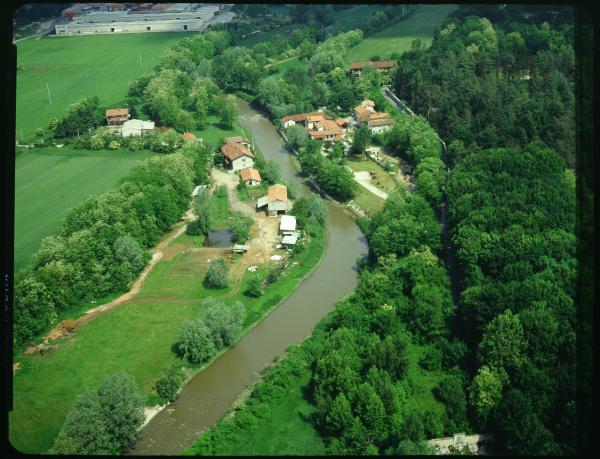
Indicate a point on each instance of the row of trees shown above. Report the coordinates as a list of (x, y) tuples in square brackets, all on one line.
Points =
[(332, 177), (100, 246)]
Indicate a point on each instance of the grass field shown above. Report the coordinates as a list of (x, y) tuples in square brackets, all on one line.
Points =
[(399, 36), (382, 179), (76, 67), (46, 386), (50, 181), (367, 201)]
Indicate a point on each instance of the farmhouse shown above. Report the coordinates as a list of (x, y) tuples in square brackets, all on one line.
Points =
[(366, 115), (237, 156), (116, 116), (136, 128), (240, 140), (287, 225), (381, 66), (250, 177), (276, 200)]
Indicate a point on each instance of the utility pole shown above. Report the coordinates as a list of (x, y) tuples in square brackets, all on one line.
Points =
[(48, 88)]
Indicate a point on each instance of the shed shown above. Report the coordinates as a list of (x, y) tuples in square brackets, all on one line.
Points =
[(290, 241), (287, 225), (262, 202), (239, 248)]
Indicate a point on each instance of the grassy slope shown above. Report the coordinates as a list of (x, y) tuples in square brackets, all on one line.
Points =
[(46, 386), (399, 36), (76, 67), (43, 195)]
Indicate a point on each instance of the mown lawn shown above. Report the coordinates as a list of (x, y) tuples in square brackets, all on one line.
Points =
[(136, 337), (50, 181), (398, 37), (382, 179), (77, 67), (367, 201)]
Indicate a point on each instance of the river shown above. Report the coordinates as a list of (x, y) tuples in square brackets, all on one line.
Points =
[(210, 394)]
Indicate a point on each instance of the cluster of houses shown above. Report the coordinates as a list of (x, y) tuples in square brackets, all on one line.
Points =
[(365, 115), (319, 126)]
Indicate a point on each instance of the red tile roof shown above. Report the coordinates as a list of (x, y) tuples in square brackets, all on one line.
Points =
[(277, 192), (250, 174), (235, 150)]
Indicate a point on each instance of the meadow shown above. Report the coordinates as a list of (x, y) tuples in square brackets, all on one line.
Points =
[(76, 67), (50, 181), (398, 37), (46, 386)]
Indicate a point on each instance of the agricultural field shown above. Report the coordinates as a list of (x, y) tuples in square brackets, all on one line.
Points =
[(398, 37), (172, 293), (76, 67), (50, 181)]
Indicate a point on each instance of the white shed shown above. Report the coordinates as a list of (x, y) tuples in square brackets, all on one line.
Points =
[(287, 224), (136, 127)]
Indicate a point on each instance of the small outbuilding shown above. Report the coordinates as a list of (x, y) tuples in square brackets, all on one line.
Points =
[(287, 225), (239, 248), (290, 241), (250, 177), (198, 190)]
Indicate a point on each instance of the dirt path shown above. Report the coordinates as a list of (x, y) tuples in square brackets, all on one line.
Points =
[(68, 327)]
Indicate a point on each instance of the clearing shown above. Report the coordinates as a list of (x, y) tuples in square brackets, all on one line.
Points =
[(398, 37), (50, 181)]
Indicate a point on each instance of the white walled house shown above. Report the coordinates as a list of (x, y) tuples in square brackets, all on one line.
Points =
[(136, 128), (237, 156)]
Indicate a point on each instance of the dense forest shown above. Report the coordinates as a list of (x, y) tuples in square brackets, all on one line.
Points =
[(503, 77)]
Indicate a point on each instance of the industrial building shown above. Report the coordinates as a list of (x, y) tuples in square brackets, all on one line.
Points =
[(107, 22)]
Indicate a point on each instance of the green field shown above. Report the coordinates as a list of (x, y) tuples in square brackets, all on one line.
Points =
[(382, 180), (76, 67), (399, 36), (50, 181), (46, 386)]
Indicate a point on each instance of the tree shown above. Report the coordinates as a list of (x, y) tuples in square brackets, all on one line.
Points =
[(391, 355), (195, 342), (122, 406), (339, 419), (360, 141), (486, 391), (34, 309), (271, 172), (254, 287), (296, 136), (127, 249), (227, 110), (503, 343), (169, 384), (240, 227), (84, 430), (369, 409), (105, 421), (450, 392), (224, 323), (204, 214), (216, 276)]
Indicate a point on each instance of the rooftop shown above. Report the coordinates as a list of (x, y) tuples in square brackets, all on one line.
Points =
[(277, 192), (250, 174), (234, 151), (117, 112), (288, 223)]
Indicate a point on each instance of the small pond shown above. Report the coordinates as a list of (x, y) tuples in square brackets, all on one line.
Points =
[(219, 238)]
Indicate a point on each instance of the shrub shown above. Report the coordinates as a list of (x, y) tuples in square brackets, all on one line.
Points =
[(96, 142), (195, 341), (216, 276), (254, 288), (135, 145), (114, 145), (224, 322), (431, 359), (170, 383)]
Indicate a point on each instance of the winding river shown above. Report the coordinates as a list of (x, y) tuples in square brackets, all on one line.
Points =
[(210, 394)]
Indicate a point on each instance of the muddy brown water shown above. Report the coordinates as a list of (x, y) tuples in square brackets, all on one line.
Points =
[(210, 394)]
